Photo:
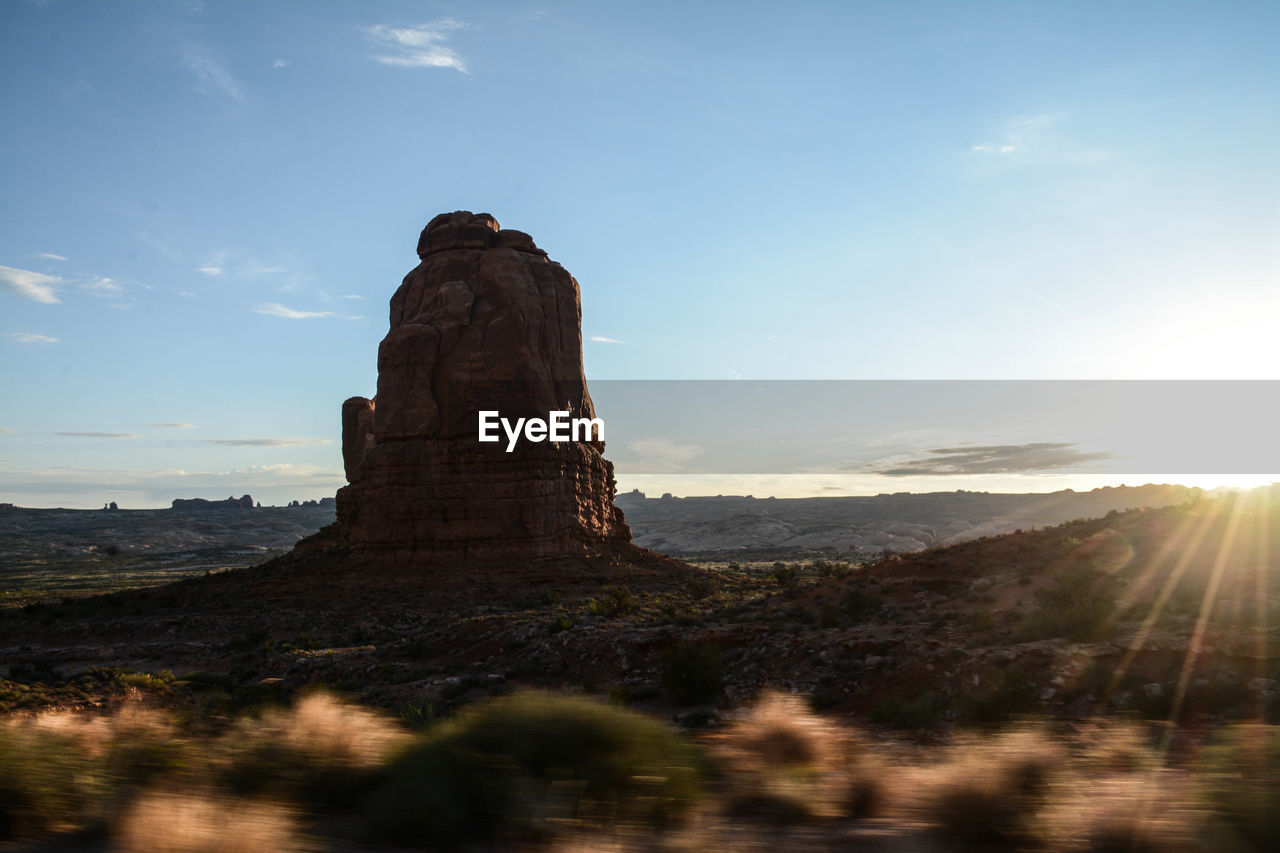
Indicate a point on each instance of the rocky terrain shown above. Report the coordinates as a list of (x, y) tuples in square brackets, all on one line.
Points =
[(1139, 610), (49, 554)]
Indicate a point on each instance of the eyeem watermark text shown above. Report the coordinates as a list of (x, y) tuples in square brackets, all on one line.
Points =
[(559, 426)]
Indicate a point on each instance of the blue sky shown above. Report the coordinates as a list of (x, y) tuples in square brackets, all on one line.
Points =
[(204, 207)]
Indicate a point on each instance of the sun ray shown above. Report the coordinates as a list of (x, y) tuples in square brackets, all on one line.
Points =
[(1261, 591), (1194, 540), (1202, 619)]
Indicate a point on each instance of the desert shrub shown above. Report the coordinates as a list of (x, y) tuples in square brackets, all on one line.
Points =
[(693, 672), (43, 781), (613, 601), (1140, 812), (787, 577), (125, 677), (783, 760), (907, 713), (1077, 607), (1001, 694), (321, 751), (161, 822), (991, 790), (64, 769), (562, 622), (859, 605), (516, 766), (702, 586), (1240, 780), (864, 792), (1119, 748)]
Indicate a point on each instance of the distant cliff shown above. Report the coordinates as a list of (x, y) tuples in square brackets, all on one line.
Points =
[(200, 504)]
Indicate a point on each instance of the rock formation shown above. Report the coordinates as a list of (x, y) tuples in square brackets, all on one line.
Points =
[(485, 322), (201, 504)]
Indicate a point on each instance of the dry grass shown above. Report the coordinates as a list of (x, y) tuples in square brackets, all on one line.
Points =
[(789, 764), (159, 822), (988, 791), (1153, 812), (327, 729)]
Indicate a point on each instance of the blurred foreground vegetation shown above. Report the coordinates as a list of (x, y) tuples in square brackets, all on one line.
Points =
[(563, 771)]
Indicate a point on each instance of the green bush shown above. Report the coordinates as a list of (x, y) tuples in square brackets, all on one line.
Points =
[(1001, 695), (902, 713), (613, 601), (860, 605), (1240, 780), (693, 672), (1077, 608), (514, 767), (43, 782), (787, 577)]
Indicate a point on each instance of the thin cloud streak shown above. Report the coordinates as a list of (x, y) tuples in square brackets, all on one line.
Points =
[(101, 287), (417, 47), (173, 425), (100, 434), (600, 339), (50, 256), (996, 459), (35, 286), (275, 309), (213, 77), (266, 442), (30, 338)]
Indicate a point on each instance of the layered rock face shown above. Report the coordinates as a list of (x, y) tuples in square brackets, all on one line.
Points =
[(486, 322)]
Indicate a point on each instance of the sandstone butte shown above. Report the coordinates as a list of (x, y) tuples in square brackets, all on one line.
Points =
[(485, 321)]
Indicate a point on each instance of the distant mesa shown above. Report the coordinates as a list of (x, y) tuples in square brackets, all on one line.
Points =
[(325, 503), (200, 504), (484, 322)]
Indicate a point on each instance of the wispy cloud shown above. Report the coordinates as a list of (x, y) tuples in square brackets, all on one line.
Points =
[(30, 338), (275, 309), (266, 442), (33, 285), (1017, 135), (996, 459), (49, 256), (600, 339), (210, 270), (101, 287), (213, 77), (352, 296), (281, 63), (101, 434), (173, 425), (156, 244), (5, 431), (1043, 138), (417, 47)]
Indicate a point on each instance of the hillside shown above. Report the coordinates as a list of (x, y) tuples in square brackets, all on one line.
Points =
[(1069, 620), (861, 526)]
